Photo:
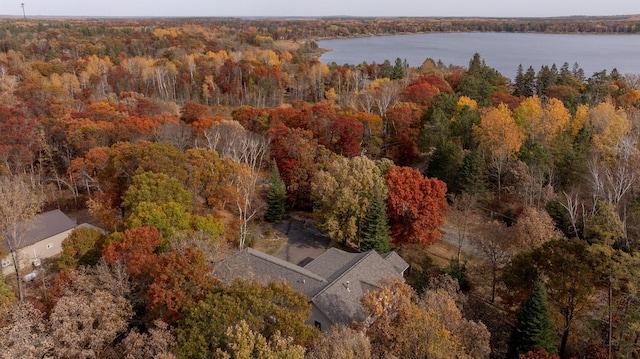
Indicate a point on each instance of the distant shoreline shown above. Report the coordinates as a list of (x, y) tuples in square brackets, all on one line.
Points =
[(301, 29)]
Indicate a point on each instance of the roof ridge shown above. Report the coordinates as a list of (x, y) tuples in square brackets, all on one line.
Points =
[(393, 256), (324, 254), (285, 264), (366, 255)]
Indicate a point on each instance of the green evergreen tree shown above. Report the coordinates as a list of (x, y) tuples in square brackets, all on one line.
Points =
[(276, 198), (375, 230), (398, 70), (470, 177), (533, 329), (518, 85), (445, 162), (526, 83), (565, 76), (458, 270), (546, 77)]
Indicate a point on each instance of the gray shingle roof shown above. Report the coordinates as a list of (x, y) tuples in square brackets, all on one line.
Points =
[(396, 261), (333, 262), (43, 226), (334, 282), (252, 264), (340, 299)]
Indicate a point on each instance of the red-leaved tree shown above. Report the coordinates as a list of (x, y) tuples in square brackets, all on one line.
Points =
[(346, 136), (415, 207), (296, 154), (135, 249)]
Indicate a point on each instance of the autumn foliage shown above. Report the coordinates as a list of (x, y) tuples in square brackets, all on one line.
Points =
[(162, 130), (416, 206), (295, 151), (135, 248), (423, 89), (346, 137)]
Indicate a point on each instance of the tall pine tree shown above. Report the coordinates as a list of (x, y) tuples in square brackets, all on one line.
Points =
[(533, 329), (470, 176), (375, 230), (276, 198)]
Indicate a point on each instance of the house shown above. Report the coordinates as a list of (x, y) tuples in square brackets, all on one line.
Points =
[(334, 282), (42, 238)]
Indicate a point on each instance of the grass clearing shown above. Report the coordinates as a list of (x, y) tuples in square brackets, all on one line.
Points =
[(266, 239)]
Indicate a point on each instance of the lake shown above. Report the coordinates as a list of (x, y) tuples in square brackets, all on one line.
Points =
[(502, 51)]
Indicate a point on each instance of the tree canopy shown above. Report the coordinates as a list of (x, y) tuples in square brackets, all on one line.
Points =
[(415, 206)]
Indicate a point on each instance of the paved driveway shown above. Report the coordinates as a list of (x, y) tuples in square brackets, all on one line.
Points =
[(305, 242)]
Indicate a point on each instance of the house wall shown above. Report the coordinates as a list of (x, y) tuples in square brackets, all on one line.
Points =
[(46, 248), (318, 317)]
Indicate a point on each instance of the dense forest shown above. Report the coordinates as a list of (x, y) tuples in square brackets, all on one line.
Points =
[(182, 139)]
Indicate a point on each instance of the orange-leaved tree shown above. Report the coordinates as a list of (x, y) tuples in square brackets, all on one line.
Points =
[(178, 279), (415, 207), (170, 280), (134, 249)]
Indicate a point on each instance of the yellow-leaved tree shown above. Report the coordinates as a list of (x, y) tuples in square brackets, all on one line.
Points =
[(607, 125), (342, 195), (579, 120), (542, 122), (530, 116), (466, 101), (500, 139), (557, 115)]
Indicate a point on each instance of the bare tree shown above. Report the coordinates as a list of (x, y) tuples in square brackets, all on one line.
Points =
[(177, 134), (495, 245), (615, 179), (572, 206), (365, 100), (83, 325), (232, 141), (530, 184), (247, 203), (387, 97), (19, 202), (596, 179), (633, 80), (623, 175), (225, 137), (462, 207), (215, 249), (157, 343), (358, 78)]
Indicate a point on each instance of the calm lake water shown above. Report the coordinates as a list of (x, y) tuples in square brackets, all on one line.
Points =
[(502, 51)]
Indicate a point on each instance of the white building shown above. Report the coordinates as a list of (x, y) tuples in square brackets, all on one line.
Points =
[(42, 238)]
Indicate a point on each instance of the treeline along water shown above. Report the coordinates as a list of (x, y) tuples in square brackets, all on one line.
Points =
[(502, 51)]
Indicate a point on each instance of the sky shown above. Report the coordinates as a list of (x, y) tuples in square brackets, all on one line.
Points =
[(374, 8)]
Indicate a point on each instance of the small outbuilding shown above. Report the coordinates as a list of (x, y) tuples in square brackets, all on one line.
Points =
[(42, 238)]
